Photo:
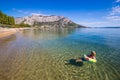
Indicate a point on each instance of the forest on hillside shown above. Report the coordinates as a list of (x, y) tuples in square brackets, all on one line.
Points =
[(5, 19), (9, 21)]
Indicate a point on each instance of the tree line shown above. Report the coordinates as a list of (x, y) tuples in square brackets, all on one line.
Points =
[(5, 19), (9, 21)]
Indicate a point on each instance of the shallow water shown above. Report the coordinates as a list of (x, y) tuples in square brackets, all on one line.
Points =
[(44, 55)]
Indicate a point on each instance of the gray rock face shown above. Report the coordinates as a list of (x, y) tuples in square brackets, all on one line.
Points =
[(40, 20)]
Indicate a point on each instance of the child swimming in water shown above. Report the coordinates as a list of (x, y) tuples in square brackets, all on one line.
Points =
[(92, 56)]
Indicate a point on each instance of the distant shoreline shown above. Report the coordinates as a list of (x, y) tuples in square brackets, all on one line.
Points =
[(105, 27)]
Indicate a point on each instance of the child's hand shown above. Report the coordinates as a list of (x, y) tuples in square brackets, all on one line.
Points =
[(85, 56)]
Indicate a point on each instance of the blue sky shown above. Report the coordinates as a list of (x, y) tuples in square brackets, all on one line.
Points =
[(93, 13)]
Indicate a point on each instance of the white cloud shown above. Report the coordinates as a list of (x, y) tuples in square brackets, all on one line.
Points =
[(111, 19), (101, 24), (117, 0), (35, 14), (20, 11), (38, 14), (115, 10), (94, 24), (114, 14), (27, 13), (114, 18)]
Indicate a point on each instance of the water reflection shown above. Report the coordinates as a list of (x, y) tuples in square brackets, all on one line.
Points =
[(46, 34), (6, 41)]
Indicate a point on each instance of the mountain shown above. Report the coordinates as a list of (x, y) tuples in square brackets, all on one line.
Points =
[(47, 21)]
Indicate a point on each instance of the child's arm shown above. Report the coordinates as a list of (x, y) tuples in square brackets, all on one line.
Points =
[(86, 57)]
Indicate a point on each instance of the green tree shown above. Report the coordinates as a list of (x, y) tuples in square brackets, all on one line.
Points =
[(1, 16), (5, 19), (12, 20)]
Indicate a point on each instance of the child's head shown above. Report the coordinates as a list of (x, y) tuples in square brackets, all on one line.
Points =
[(93, 53)]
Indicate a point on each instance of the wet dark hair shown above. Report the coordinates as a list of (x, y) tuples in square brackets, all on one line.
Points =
[(92, 52)]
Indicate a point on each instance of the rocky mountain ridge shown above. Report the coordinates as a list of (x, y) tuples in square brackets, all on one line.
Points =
[(40, 20)]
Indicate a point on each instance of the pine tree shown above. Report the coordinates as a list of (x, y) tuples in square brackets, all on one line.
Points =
[(13, 21), (5, 19), (1, 16)]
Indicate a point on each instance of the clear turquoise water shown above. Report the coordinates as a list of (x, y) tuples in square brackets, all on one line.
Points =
[(43, 54)]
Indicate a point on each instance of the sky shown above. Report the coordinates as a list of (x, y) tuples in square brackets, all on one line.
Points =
[(91, 13)]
